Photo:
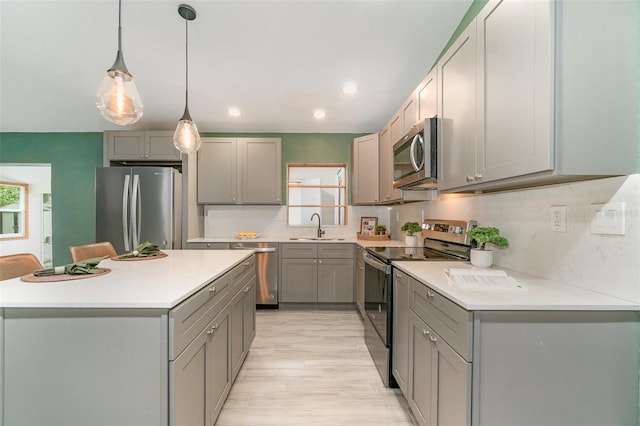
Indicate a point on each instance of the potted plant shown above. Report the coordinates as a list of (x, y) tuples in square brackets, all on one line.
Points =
[(481, 256), (381, 229), (411, 228)]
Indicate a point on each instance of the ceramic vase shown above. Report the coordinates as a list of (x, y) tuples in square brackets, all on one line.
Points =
[(481, 258), (411, 240)]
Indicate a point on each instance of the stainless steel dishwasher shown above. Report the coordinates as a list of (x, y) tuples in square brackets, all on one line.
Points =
[(266, 272)]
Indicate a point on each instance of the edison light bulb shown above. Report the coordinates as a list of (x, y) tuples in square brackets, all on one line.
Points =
[(118, 99), (186, 137)]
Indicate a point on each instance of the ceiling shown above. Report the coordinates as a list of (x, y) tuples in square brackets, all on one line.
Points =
[(275, 60)]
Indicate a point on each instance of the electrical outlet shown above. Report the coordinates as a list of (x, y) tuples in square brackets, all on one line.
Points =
[(559, 218)]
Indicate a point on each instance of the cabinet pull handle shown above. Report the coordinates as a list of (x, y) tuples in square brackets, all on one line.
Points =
[(470, 179), (477, 176), (319, 261), (212, 290), (433, 339), (398, 276), (213, 329), (247, 263), (430, 295), (246, 290), (425, 332)]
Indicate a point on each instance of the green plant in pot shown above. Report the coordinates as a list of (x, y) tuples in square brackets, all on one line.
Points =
[(411, 228), (481, 256), (381, 229)]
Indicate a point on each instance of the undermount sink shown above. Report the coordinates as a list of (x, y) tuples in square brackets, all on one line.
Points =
[(315, 239)]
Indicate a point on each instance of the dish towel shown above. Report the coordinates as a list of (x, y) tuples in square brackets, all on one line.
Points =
[(145, 249), (83, 267)]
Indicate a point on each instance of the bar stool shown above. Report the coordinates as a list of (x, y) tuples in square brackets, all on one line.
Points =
[(89, 251), (17, 265)]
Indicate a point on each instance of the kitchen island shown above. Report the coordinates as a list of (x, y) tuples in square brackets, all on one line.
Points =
[(155, 342), (530, 352)]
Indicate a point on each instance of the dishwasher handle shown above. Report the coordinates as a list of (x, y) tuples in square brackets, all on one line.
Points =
[(264, 250)]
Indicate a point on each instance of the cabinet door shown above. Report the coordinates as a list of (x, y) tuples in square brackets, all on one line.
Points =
[(249, 321), (360, 281), (409, 113), (260, 164), (237, 328), (513, 89), (400, 357), (365, 187), (427, 96), (420, 370), (451, 386), (188, 404), (387, 192), (457, 104), (159, 146), (396, 127), (217, 169), (335, 280), (125, 145), (299, 280), (218, 374)]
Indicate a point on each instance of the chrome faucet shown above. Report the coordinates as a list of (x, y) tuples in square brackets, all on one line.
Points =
[(320, 231)]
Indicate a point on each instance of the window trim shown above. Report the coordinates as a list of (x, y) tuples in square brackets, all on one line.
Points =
[(24, 209), (344, 186)]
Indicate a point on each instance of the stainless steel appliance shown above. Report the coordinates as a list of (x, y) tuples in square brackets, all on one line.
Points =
[(266, 271), (415, 157), (138, 204), (443, 240)]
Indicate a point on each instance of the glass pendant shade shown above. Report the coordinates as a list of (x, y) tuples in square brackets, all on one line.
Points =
[(186, 138), (118, 99)]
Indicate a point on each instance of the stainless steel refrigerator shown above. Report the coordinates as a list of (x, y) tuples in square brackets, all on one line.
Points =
[(138, 204)]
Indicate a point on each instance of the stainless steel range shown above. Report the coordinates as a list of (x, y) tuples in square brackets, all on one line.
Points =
[(443, 240)]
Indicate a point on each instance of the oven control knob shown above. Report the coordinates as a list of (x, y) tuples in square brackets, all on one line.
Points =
[(457, 230), (426, 226)]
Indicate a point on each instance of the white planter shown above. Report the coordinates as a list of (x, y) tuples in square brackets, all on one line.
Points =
[(481, 258), (411, 240)]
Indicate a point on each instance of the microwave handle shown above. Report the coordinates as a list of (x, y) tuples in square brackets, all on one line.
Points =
[(412, 153)]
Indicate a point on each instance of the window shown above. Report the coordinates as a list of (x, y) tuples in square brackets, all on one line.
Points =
[(13, 210), (316, 188)]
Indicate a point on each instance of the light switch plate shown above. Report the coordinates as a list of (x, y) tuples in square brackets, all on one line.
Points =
[(608, 218)]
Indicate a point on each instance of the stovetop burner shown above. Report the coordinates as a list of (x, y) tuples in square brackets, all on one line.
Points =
[(407, 253)]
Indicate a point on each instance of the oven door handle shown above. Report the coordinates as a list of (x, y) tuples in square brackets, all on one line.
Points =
[(380, 266)]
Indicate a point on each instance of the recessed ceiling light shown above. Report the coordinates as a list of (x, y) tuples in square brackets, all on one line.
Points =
[(350, 87), (234, 111), (319, 114)]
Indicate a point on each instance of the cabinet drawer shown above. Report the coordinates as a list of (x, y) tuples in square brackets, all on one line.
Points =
[(450, 321), (189, 318), (299, 250), (243, 273), (208, 246), (335, 251)]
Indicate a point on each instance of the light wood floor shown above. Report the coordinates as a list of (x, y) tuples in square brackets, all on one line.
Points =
[(311, 368)]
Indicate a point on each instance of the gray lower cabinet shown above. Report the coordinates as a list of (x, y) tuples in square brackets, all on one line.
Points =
[(486, 368), (359, 291), (117, 366), (317, 272), (400, 347)]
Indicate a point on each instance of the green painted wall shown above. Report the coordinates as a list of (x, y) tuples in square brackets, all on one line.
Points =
[(73, 158)]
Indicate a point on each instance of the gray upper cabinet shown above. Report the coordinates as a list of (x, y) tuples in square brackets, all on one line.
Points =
[(521, 91), (240, 171), (365, 182), (140, 146), (388, 193)]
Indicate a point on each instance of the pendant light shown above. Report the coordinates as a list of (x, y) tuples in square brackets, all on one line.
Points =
[(117, 98), (186, 138)]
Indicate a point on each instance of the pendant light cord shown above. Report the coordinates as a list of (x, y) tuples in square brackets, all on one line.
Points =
[(119, 25), (186, 63)]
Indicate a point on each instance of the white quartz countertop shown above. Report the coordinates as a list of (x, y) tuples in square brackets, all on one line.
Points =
[(339, 239), (157, 283), (541, 294)]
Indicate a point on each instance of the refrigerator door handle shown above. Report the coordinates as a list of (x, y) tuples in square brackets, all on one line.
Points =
[(135, 212), (126, 232)]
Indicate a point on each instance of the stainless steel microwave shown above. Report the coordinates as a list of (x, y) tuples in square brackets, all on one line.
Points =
[(415, 157)]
